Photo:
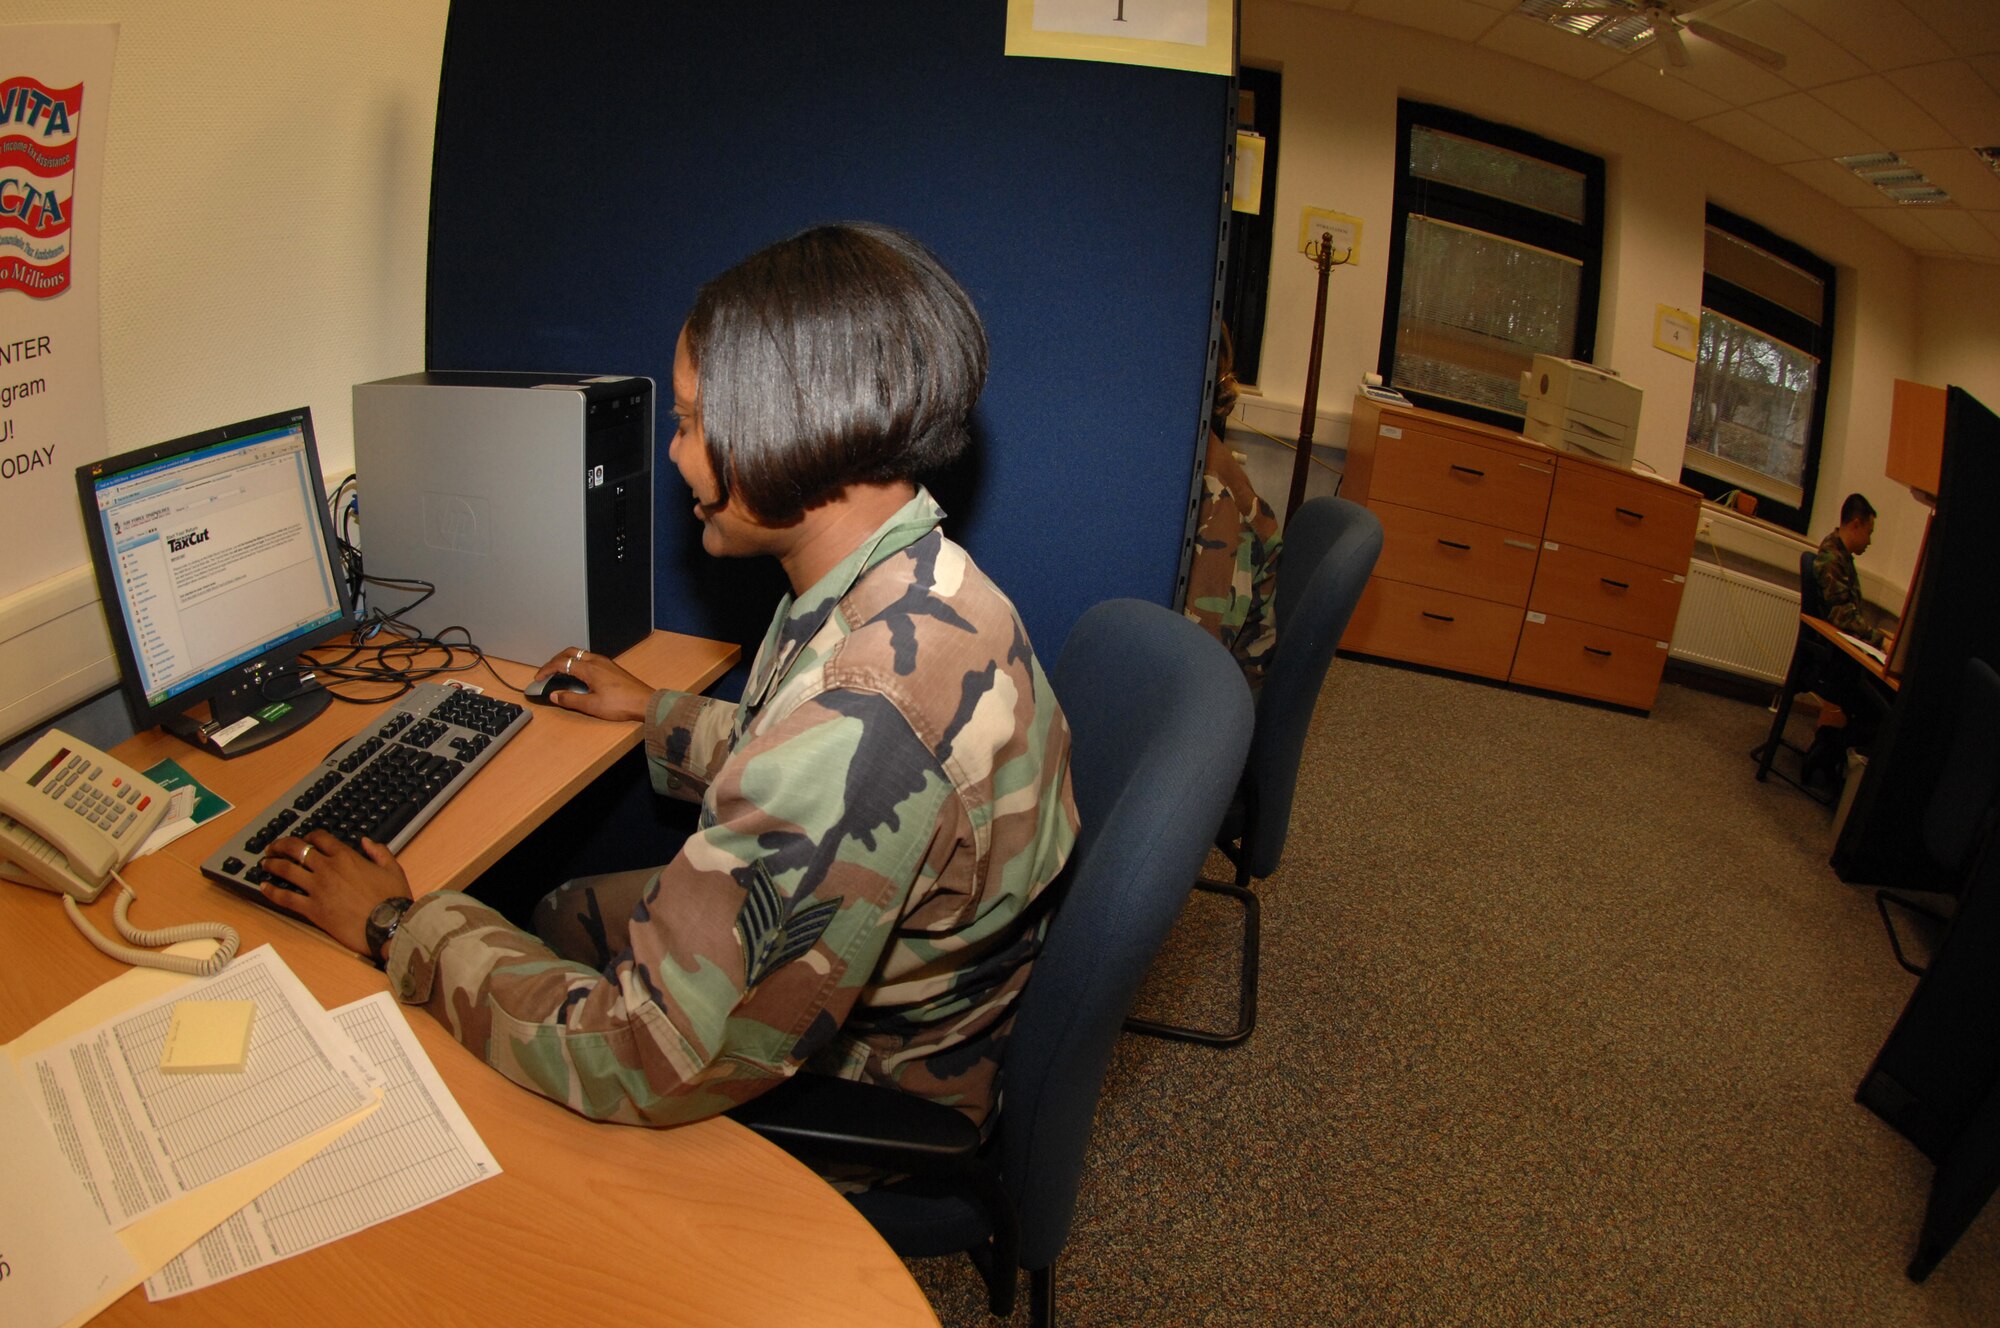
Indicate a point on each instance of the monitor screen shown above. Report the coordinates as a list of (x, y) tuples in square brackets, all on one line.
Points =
[(216, 561)]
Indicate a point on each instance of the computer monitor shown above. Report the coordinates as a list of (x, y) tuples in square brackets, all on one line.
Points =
[(217, 563)]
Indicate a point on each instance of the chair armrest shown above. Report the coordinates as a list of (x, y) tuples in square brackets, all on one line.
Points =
[(818, 1118)]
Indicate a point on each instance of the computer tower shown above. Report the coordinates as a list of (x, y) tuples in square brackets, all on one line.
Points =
[(527, 499)]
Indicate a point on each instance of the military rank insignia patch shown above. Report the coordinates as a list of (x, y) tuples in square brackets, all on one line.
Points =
[(774, 930)]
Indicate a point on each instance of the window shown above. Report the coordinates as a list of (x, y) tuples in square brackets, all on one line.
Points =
[(1760, 369), (1494, 256)]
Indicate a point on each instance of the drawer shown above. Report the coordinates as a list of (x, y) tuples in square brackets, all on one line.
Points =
[(1583, 659), (1575, 582), (1451, 553), (1623, 515), (1440, 473), (1424, 625)]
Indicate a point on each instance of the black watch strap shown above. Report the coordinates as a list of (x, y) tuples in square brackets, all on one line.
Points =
[(383, 920)]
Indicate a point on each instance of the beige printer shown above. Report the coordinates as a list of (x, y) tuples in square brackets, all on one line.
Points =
[(1579, 407)]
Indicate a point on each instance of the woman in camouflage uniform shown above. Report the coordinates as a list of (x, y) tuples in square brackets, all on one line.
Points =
[(879, 813)]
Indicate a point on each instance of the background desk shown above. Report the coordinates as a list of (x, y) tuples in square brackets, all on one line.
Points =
[(703, 1224)]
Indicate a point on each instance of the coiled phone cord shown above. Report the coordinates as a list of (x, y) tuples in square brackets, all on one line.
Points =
[(222, 933)]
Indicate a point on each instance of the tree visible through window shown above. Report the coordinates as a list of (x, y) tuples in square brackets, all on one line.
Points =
[(1760, 369), (1494, 257)]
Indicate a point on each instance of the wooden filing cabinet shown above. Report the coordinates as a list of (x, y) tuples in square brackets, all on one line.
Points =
[(1505, 559)]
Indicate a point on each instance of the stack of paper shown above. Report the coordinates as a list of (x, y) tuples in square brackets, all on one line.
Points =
[(119, 1165)]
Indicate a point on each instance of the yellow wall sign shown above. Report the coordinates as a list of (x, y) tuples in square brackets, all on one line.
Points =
[(1197, 35), (1248, 195), (1345, 233), (1676, 331)]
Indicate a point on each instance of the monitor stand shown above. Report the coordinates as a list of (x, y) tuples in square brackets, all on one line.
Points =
[(245, 717)]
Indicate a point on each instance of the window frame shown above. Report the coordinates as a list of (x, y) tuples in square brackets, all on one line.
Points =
[(1581, 241), (1773, 320)]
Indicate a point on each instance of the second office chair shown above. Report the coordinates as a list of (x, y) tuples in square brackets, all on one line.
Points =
[(1330, 549)]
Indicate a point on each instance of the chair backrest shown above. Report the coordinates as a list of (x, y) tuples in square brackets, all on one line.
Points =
[(1810, 602), (1962, 807), (1330, 548), (1160, 720)]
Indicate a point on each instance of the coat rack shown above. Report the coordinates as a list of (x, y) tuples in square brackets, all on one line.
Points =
[(1322, 253)]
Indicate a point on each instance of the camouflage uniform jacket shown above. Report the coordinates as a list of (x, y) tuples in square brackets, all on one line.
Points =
[(878, 815), (1233, 580), (1840, 588)]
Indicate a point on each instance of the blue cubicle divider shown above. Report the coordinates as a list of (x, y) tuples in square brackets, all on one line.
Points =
[(596, 162)]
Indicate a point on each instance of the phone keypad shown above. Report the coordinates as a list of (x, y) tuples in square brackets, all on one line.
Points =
[(113, 807)]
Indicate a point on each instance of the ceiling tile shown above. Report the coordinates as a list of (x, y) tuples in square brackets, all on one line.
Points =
[(1908, 228), (1954, 95), (1971, 26), (1884, 34), (1878, 106), (1329, 4), (1810, 120), (1541, 44), (1662, 91), (1969, 181), (1987, 67), (1838, 183), (1756, 137), (1963, 232), (1448, 18), (1720, 73), (1991, 221), (1811, 57)]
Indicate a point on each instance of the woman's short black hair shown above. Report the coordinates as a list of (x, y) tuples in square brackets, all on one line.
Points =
[(844, 355)]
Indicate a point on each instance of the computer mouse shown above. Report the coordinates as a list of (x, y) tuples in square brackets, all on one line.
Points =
[(542, 690)]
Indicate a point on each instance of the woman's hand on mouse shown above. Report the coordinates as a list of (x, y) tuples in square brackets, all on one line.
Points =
[(613, 694)]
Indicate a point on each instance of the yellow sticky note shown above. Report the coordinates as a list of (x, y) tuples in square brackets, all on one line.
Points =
[(211, 1036)]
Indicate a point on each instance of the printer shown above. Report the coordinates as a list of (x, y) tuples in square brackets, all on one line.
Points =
[(1578, 407)]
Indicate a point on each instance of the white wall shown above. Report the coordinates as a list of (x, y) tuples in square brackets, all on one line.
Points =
[(266, 196), (266, 200), (1342, 78), (1959, 342)]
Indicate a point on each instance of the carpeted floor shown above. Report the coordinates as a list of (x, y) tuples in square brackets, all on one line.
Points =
[(1562, 1019)]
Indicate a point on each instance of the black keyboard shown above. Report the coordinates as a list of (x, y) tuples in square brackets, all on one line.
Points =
[(385, 782)]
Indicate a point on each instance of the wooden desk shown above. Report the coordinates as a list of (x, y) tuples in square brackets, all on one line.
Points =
[(1885, 685), (1845, 644), (587, 1222), (539, 770)]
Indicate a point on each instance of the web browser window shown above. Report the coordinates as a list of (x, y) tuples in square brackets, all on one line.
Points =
[(218, 555)]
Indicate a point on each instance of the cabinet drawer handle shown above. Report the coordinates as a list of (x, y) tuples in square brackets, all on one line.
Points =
[(1616, 585), (1440, 617), (1518, 544), (1626, 511), (1593, 650), (1453, 544), (1476, 474)]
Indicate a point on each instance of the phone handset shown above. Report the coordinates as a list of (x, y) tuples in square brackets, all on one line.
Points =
[(69, 815)]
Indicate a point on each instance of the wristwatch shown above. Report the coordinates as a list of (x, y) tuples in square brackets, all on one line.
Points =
[(383, 920)]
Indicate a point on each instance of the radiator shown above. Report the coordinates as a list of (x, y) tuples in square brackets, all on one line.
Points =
[(1736, 623)]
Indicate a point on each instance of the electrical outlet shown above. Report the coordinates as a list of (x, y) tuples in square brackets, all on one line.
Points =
[(1705, 528)]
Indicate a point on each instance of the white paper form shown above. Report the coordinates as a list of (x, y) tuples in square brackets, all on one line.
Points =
[(57, 1258), (139, 1137), (417, 1149)]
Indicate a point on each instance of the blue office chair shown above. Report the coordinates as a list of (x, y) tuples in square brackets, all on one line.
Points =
[(1330, 549), (1812, 656), (1160, 720)]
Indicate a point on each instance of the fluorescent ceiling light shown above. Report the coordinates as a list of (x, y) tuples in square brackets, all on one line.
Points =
[(1587, 18)]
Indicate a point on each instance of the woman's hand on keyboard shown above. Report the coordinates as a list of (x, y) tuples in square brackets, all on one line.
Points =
[(333, 887), (613, 694)]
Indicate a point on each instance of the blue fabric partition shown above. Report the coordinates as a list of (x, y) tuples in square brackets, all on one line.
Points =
[(597, 161)]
